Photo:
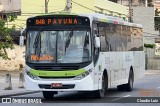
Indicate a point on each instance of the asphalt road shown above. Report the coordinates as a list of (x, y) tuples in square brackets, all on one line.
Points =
[(149, 86)]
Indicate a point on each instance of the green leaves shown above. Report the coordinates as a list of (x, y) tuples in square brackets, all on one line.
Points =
[(11, 17), (149, 45), (6, 40)]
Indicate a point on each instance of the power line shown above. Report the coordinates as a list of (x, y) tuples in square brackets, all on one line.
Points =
[(83, 6)]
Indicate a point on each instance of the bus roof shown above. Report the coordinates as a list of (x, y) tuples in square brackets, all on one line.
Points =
[(111, 19), (97, 17)]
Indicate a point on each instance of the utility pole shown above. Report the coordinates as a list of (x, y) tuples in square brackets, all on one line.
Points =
[(68, 5), (46, 6), (130, 11)]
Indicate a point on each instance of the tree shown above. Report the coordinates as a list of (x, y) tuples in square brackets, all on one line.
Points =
[(6, 40)]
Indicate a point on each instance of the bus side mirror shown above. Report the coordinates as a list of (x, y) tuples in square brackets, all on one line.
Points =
[(97, 42), (21, 38), (95, 31)]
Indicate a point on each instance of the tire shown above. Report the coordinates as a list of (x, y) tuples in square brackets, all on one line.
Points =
[(129, 85), (121, 87), (101, 92), (48, 94)]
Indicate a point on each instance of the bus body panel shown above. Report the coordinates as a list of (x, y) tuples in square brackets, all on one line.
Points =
[(118, 66), (85, 84)]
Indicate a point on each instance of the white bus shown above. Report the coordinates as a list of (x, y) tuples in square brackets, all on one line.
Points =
[(91, 52)]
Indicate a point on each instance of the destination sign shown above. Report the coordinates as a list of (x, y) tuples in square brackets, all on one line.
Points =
[(59, 20), (56, 21)]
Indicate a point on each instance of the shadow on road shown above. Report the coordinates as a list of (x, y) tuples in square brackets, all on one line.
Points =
[(86, 97)]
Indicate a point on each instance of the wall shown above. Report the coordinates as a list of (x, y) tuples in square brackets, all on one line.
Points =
[(114, 7), (17, 57), (145, 16), (10, 5)]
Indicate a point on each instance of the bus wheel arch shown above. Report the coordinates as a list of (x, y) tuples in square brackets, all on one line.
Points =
[(128, 86)]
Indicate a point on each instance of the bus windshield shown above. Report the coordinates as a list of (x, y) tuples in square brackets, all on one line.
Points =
[(58, 46)]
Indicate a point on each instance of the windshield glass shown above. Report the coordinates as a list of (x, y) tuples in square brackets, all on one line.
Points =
[(58, 46)]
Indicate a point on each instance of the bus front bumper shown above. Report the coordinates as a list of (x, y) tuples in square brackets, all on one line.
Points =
[(85, 84)]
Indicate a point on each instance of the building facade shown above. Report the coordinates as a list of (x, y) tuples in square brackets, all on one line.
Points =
[(9, 6), (33, 7)]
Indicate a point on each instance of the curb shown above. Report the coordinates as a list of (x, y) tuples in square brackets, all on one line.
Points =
[(17, 94), (152, 73)]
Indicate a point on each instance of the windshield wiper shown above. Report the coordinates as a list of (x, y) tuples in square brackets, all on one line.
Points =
[(36, 43), (68, 40)]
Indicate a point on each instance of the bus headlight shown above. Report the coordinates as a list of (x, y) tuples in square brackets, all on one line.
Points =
[(32, 76), (27, 68), (83, 75)]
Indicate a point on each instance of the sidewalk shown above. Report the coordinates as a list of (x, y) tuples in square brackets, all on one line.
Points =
[(15, 84), (20, 91), (154, 72)]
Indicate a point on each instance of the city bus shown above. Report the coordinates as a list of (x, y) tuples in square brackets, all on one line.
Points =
[(82, 52)]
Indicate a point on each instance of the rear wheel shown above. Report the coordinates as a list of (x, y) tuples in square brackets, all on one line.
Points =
[(121, 87), (129, 85), (101, 92), (49, 94)]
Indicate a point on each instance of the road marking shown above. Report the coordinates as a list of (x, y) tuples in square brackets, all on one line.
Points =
[(121, 97)]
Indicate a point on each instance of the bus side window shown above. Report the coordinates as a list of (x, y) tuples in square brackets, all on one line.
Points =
[(96, 50), (104, 39), (111, 38)]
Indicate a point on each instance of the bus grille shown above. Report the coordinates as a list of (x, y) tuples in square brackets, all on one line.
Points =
[(48, 86), (45, 77)]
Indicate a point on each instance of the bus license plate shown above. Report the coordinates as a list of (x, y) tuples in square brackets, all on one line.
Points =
[(56, 85)]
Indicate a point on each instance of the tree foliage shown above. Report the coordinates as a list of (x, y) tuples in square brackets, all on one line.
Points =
[(6, 40), (149, 45)]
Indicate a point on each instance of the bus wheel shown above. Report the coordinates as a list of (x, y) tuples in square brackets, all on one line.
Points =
[(129, 85), (121, 87), (101, 92), (49, 94)]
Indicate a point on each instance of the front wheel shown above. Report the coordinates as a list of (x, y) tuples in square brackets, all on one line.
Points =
[(101, 92), (48, 94)]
